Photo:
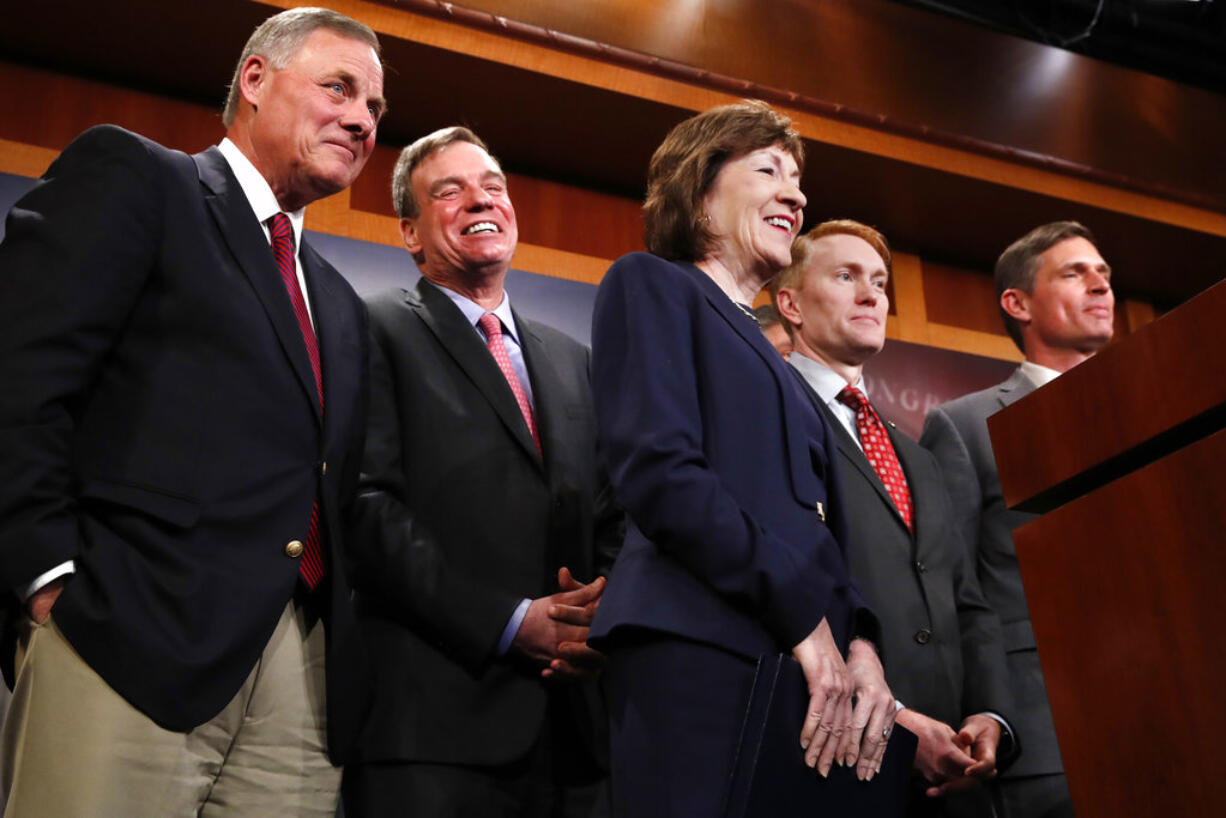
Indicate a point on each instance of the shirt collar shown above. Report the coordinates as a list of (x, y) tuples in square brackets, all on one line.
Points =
[(257, 190), (825, 381), (473, 311), (1038, 374)]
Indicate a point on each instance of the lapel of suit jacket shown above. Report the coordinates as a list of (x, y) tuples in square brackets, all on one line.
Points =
[(243, 234), (547, 391), (1016, 387), (798, 447), (331, 327), (855, 455), (921, 482), (463, 344)]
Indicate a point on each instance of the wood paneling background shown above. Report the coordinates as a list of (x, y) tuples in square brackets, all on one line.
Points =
[(575, 124)]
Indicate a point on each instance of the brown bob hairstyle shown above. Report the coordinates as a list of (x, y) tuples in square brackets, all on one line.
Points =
[(686, 163)]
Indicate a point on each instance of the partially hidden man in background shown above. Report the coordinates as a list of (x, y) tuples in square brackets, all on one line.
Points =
[(942, 646), (1055, 297), (180, 429), (481, 508)]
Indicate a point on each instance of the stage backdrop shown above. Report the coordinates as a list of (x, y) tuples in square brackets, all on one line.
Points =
[(904, 381)]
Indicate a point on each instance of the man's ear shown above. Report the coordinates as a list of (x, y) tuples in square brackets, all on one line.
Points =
[(408, 234), (252, 79), (788, 306), (1016, 304)]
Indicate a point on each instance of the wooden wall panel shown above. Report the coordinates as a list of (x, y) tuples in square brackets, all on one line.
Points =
[(913, 68), (961, 298), (566, 231), (496, 43), (53, 108), (575, 220)]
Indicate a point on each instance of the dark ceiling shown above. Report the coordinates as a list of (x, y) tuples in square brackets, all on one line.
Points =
[(1183, 40)]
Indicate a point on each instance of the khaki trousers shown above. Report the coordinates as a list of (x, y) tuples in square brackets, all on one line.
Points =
[(74, 747)]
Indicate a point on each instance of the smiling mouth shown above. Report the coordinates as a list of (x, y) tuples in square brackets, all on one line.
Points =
[(780, 222), (480, 227)]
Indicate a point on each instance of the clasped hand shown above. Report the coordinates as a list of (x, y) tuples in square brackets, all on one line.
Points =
[(952, 761), (851, 710), (554, 631)]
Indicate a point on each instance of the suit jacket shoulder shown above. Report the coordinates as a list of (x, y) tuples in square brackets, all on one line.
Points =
[(977, 406), (718, 462)]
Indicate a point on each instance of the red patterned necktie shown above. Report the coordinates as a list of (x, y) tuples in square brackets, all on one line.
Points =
[(492, 327), (879, 450), (311, 566)]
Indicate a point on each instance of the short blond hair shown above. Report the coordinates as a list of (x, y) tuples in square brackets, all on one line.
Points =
[(791, 275)]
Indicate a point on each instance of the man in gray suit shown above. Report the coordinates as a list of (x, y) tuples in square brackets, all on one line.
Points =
[(941, 643), (1055, 297)]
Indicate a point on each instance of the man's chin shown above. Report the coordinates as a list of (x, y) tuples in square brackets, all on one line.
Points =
[(333, 178)]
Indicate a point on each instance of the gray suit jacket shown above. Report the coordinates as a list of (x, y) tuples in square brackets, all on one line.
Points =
[(957, 433), (941, 643)]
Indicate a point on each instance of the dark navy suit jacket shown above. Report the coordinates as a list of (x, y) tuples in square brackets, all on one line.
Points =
[(160, 425), (722, 467), (459, 518)]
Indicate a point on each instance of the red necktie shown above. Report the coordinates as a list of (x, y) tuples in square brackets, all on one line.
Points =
[(492, 327), (879, 450), (311, 566)]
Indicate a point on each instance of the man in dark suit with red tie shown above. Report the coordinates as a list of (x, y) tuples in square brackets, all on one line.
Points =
[(481, 515), (942, 648), (180, 431)]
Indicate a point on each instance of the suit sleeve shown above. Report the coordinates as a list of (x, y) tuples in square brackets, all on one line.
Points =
[(76, 255), (986, 687), (942, 438), (651, 430), (356, 444), (986, 679), (609, 519), (396, 561)]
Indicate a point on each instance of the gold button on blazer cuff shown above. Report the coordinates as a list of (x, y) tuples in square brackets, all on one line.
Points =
[(293, 549)]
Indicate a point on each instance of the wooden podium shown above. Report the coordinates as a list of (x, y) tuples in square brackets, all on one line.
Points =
[(1125, 572)]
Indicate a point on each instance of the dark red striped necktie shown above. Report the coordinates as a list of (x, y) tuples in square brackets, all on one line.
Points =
[(311, 566)]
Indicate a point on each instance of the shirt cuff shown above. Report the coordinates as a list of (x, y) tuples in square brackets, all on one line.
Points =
[(512, 628), (46, 578), (1006, 732)]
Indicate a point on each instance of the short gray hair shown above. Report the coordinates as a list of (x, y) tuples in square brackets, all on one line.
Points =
[(1016, 267), (279, 37), (407, 206)]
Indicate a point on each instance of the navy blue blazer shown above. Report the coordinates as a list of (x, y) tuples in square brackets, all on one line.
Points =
[(723, 469), (160, 425)]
